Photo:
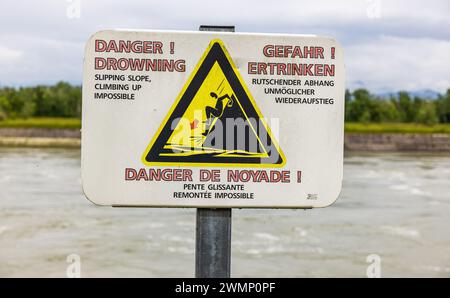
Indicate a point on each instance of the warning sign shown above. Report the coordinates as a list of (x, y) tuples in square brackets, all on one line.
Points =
[(214, 100), (212, 119)]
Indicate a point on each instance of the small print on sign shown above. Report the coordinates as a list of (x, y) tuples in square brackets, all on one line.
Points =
[(212, 119)]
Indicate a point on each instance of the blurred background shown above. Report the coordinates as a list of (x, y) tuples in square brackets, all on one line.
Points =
[(394, 209)]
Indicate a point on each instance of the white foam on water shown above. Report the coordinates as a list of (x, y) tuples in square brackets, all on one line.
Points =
[(180, 239), (434, 203), (370, 174), (181, 250), (319, 250), (301, 232), (266, 236), (419, 192), (155, 225), (401, 231), (254, 251), (399, 187), (410, 189), (3, 229), (5, 178), (437, 269), (398, 175), (266, 250), (183, 223)]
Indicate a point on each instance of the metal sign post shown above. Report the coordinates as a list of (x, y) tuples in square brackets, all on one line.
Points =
[(213, 243), (213, 231)]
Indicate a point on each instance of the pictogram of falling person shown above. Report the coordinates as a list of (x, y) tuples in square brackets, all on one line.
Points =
[(217, 110)]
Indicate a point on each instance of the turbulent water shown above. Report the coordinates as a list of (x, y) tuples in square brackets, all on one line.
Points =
[(394, 205)]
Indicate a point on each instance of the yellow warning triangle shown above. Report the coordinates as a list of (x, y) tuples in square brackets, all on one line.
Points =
[(214, 121)]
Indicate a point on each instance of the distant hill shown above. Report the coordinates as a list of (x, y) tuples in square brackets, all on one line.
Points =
[(424, 93)]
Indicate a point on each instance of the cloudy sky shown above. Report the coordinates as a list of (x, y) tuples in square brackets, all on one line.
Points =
[(389, 45)]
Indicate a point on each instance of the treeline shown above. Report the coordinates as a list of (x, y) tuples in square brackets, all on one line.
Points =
[(64, 100), (60, 100), (361, 106)]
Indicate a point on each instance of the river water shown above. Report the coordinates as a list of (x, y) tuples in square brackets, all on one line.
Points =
[(394, 205)]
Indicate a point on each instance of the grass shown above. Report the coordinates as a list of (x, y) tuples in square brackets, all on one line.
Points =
[(40, 142), (75, 123), (58, 123), (396, 128)]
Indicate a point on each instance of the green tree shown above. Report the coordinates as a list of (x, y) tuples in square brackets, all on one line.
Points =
[(4, 107), (359, 106), (27, 99), (405, 107), (384, 111), (61, 100), (348, 104), (427, 113), (443, 107)]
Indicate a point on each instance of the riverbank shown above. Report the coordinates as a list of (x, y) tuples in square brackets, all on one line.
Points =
[(40, 137), (354, 141), (40, 142), (390, 142)]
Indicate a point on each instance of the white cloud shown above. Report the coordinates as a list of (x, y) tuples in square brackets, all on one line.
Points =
[(51, 44), (9, 55), (392, 63)]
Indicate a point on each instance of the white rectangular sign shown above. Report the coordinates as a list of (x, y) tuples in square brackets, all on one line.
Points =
[(209, 119)]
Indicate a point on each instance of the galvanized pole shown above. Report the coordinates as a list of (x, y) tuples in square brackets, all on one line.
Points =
[(213, 243), (213, 232)]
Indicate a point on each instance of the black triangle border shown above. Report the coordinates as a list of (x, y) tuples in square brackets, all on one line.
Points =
[(216, 53)]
